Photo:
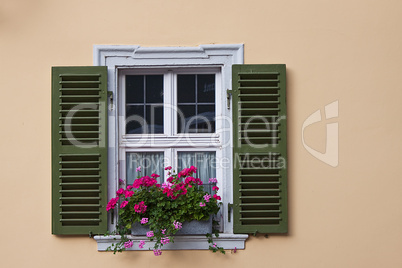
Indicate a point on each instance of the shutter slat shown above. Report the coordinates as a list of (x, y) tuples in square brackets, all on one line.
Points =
[(79, 212), (79, 82), (79, 150), (259, 137)]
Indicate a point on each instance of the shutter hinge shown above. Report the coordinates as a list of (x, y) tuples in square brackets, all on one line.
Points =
[(228, 95), (110, 96), (230, 207), (112, 217), (90, 234)]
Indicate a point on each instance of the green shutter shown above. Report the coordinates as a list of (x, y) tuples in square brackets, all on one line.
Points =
[(259, 149), (79, 150)]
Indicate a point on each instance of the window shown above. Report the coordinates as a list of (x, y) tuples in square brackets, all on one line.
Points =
[(170, 106), (180, 107)]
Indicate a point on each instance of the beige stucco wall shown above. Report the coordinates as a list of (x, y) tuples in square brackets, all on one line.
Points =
[(346, 51)]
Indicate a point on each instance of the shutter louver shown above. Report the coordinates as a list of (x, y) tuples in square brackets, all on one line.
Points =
[(260, 159), (79, 150)]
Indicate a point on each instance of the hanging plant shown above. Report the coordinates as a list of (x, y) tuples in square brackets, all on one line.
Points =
[(163, 208)]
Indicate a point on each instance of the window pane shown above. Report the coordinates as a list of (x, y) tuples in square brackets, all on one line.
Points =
[(206, 88), (139, 108), (149, 163), (186, 122), (134, 119), (206, 119), (186, 88), (196, 100), (154, 88), (134, 89), (154, 117), (205, 162)]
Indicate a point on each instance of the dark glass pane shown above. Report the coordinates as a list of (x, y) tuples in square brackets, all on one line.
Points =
[(134, 89), (206, 119), (134, 119), (206, 88), (186, 88), (186, 123), (154, 88), (154, 117)]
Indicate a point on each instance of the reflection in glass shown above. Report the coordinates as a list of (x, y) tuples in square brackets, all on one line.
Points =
[(144, 100), (196, 103)]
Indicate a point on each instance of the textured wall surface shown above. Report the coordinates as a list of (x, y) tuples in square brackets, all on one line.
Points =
[(346, 51)]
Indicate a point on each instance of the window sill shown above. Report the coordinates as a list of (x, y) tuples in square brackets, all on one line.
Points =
[(227, 241)]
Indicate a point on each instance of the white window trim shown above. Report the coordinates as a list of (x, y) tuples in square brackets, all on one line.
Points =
[(116, 58)]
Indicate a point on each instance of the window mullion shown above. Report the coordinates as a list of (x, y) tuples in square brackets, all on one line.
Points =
[(167, 103)]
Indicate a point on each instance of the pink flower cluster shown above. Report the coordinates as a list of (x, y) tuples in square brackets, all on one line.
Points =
[(177, 225), (202, 204), (140, 207), (213, 180), (176, 191), (128, 194), (123, 204), (157, 252), (112, 203), (141, 244), (144, 220), (196, 181), (150, 234), (187, 172), (128, 244), (165, 240), (217, 197), (207, 197), (145, 181), (120, 192)]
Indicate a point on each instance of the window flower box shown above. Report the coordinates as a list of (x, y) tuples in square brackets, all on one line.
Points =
[(180, 206), (188, 228)]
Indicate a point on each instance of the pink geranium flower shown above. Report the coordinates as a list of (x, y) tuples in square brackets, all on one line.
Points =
[(157, 252), (128, 244), (150, 234), (207, 197), (140, 207), (120, 191), (112, 203), (217, 197), (123, 204), (213, 180)]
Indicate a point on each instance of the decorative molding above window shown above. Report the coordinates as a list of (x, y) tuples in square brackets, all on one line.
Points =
[(164, 55)]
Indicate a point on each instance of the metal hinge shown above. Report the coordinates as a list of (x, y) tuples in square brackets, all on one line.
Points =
[(230, 207), (228, 96), (110, 97), (112, 217)]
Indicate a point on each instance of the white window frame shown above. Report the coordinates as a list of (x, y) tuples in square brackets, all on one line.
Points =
[(119, 58), (170, 141)]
